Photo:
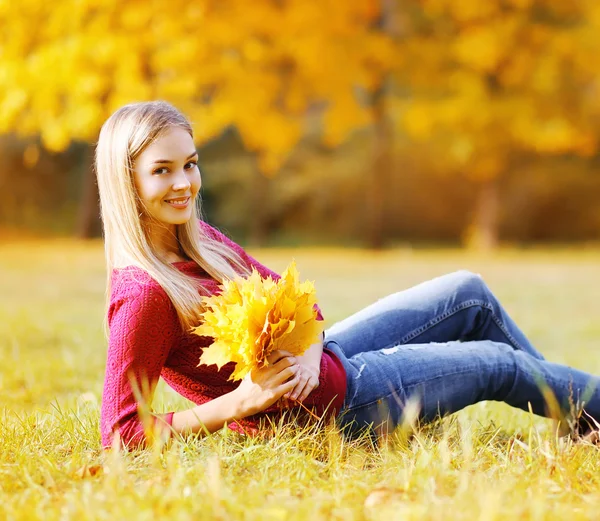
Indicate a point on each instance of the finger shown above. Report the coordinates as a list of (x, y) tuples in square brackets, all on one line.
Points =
[(275, 356), (308, 388), (286, 373), (284, 362), (299, 388), (287, 386), (302, 378)]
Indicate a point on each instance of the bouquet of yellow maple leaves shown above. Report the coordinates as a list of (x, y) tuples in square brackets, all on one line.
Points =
[(252, 317)]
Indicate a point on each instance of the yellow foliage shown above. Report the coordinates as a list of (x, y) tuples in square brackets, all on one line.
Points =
[(257, 67), (488, 79), (419, 120), (468, 11), (344, 116), (252, 317), (470, 69), (480, 47)]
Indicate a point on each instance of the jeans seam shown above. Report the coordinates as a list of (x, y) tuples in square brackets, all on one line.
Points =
[(437, 320), (511, 338), (433, 322), (440, 318), (460, 307)]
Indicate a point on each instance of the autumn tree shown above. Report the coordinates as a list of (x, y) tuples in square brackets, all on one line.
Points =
[(492, 83), (258, 67)]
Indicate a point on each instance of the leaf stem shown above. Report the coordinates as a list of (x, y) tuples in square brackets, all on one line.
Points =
[(307, 410)]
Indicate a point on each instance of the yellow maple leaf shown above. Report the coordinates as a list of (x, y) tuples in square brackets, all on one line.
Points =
[(252, 317)]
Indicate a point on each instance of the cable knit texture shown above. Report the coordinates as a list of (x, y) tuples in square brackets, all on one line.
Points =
[(146, 342)]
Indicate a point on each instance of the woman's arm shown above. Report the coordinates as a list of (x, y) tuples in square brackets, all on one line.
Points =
[(257, 391), (208, 417), (310, 362), (143, 329)]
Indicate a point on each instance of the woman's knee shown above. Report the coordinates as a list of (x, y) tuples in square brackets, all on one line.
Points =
[(470, 285)]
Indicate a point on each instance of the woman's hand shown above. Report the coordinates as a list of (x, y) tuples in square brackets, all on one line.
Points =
[(307, 376), (261, 388), (309, 369)]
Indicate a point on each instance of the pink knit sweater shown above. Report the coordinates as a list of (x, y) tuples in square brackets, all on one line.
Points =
[(147, 342)]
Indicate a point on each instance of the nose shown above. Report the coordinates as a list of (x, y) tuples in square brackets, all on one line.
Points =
[(181, 182)]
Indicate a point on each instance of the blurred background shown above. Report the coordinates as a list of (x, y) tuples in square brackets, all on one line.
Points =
[(365, 123)]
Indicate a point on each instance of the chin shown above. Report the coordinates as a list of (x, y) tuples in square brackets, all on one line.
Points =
[(181, 220), (176, 216)]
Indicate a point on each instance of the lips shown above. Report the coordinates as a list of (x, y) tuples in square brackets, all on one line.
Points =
[(179, 202)]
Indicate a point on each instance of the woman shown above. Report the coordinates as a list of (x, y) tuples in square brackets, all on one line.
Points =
[(442, 345)]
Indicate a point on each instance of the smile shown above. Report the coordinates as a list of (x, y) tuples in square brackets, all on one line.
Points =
[(179, 203)]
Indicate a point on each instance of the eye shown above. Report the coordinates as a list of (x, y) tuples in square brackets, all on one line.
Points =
[(161, 170), (190, 165)]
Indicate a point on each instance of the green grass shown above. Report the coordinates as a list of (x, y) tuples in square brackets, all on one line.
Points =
[(487, 462)]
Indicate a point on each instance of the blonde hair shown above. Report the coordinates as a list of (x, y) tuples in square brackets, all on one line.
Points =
[(122, 138)]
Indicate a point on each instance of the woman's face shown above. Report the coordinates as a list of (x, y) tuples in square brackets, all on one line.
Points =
[(167, 177)]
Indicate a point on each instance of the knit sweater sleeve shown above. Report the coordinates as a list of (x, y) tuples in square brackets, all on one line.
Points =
[(143, 328), (250, 261)]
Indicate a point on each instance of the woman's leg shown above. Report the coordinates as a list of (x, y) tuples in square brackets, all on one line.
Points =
[(444, 378), (458, 306)]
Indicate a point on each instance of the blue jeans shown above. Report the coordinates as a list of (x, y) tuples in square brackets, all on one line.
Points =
[(443, 345)]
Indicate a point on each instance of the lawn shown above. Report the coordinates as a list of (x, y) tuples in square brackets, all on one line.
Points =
[(487, 462)]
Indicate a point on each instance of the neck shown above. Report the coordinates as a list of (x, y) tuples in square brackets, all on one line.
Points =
[(163, 240)]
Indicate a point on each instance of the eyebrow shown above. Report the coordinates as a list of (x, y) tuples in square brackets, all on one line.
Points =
[(162, 161)]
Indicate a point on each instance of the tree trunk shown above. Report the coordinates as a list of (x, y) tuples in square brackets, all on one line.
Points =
[(88, 221), (485, 232), (378, 180), (382, 156)]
